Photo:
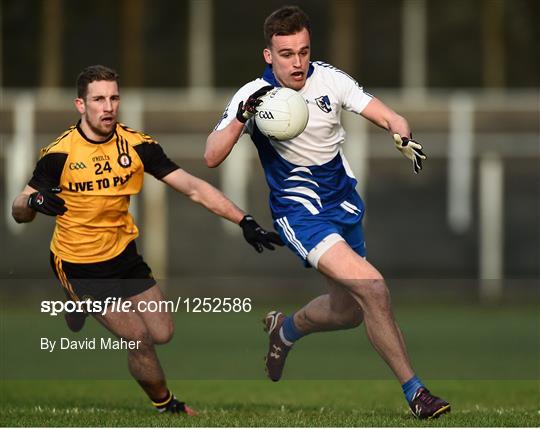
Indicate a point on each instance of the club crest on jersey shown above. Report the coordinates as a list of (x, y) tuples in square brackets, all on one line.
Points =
[(124, 160), (324, 103)]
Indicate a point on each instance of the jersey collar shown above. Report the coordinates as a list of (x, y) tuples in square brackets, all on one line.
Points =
[(89, 140), (268, 74)]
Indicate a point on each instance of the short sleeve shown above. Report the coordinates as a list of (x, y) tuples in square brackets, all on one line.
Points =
[(154, 160), (354, 98), (48, 171), (241, 95)]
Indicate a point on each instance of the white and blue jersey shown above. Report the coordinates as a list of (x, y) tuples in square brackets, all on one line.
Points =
[(309, 178)]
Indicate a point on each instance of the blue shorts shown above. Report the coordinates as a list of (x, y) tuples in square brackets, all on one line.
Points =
[(309, 236)]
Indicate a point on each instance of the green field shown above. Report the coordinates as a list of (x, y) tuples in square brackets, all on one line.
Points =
[(262, 403), (450, 342), (484, 360)]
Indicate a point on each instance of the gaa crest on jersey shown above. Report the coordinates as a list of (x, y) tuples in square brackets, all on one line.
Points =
[(324, 103), (124, 160)]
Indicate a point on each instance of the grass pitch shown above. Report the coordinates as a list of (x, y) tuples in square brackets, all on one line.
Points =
[(259, 403), (489, 356)]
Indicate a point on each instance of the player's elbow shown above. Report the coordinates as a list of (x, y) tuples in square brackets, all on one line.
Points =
[(212, 155), (211, 161)]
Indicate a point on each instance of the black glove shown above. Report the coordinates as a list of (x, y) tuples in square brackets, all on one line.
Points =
[(247, 110), (47, 202), (257, 236)]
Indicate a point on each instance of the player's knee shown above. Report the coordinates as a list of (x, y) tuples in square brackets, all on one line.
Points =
[(348, 319), (142, 337), (164, 334), (356, 318), (377, 288), (373, 290)]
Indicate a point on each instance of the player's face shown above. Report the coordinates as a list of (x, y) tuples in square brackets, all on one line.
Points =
[(99, 109), (289, 56)]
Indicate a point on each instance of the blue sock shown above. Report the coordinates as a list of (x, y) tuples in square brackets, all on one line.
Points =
[(410, 387), (291, 332)]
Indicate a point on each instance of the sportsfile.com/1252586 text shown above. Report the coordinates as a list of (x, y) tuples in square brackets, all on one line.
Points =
[(180, 304)]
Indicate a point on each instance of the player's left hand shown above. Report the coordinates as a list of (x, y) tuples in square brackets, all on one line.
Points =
[(257, 236), (410, 149)]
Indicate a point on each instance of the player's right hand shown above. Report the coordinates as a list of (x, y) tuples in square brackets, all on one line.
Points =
[(249, 108), (47, 201)]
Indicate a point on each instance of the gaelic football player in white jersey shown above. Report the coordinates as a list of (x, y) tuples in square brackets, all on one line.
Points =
[(313, 200)]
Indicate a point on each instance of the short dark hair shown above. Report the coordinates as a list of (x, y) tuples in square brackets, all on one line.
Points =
[(285, 21), (91, 74)]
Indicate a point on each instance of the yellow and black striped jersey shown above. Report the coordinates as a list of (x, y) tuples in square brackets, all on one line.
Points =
[(97, 180)]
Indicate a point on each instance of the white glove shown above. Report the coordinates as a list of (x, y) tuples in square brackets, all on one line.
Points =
[(410, 149)]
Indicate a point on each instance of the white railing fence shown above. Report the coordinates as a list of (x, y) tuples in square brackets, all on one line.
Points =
[(460, 144)]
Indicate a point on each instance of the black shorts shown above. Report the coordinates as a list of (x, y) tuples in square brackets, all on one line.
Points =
[(123, 276)]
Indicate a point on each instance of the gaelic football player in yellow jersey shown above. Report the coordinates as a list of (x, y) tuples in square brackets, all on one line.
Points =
[(85, 179)]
